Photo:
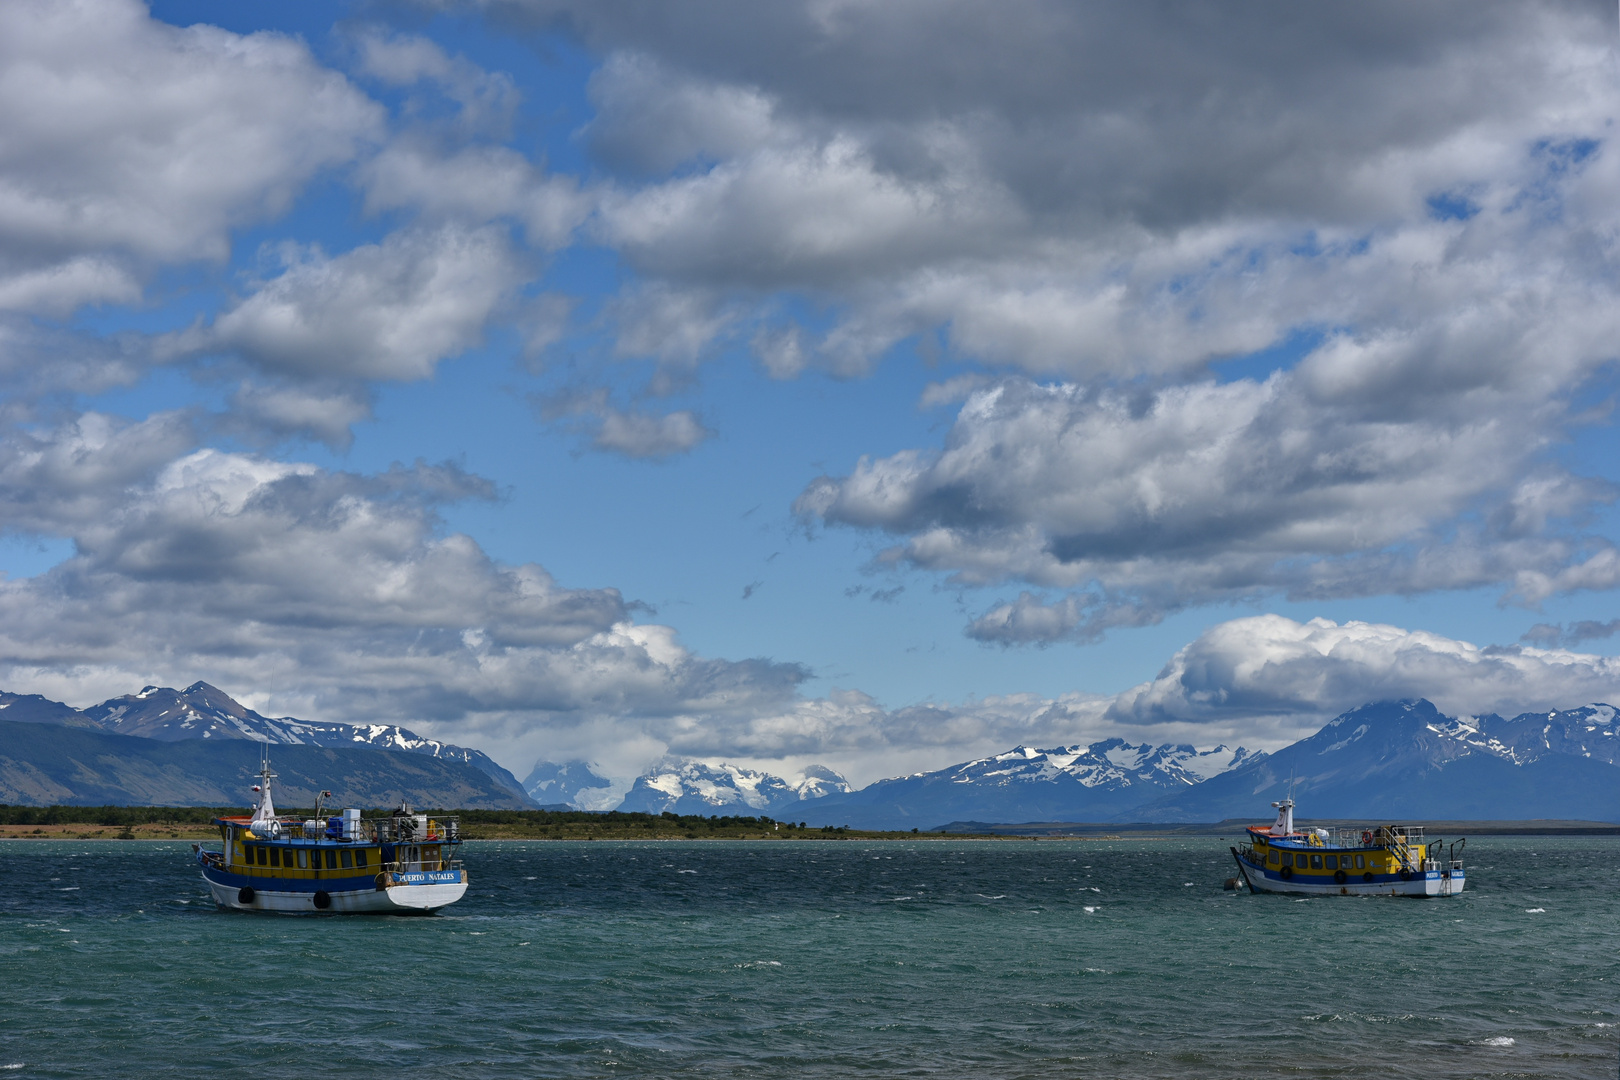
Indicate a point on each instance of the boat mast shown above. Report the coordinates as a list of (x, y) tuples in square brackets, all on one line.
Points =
[(266, 810), (1285, 817)]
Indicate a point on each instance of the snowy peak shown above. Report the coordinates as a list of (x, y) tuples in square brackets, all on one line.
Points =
[(819, 782), (567, 783), (696, 787), (201, 711), (158, 712), (1112, 764)]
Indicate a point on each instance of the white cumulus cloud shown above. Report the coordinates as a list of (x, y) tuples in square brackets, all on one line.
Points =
[(127, 143)]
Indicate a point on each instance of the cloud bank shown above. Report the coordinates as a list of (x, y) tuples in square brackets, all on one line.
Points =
[(1238, 303)]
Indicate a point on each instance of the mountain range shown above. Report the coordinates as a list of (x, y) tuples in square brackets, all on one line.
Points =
[(1094, 782), (1406, 759), (133, 768), (1392, 759)]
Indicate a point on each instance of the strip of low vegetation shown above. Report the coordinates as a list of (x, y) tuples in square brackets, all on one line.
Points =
[(581, 825), (192, 822)]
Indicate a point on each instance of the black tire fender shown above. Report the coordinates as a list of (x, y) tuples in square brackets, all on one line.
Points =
[(1286, 872), (1406, 875), (245, 895), (1340, 876), (1368, 876), (323, 899)]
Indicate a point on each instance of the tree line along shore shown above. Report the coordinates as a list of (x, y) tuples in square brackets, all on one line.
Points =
[(192, 823)]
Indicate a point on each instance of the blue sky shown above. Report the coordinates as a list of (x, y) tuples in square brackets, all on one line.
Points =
[(868, 384)]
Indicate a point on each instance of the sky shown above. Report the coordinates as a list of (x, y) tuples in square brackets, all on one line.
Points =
[(874, 384)]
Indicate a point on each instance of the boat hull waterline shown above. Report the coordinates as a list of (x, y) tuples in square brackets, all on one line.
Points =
[(365, 897), (1427, 883)]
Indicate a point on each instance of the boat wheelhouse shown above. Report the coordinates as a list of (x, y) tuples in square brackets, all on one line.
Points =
[(404, 863), (1379, 860)]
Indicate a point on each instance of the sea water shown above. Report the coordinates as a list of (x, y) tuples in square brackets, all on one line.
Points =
[(938, 958)]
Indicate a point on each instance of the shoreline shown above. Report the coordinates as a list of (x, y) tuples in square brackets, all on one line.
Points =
[(732, 829)]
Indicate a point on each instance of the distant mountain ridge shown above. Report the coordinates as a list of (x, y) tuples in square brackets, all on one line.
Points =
[(694, 787), (1395, 759), (1091, 782), (42, 764), (204, 712)]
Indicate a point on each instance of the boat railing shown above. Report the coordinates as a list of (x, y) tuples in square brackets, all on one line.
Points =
[(1378, 836), (406, 830), (396, 830)]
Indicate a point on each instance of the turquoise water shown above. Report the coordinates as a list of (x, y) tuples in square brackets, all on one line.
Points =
[(817, 959)]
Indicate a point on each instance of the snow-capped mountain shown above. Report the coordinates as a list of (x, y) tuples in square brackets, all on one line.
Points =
[(820, 782), (1117, 763), (694, 787), (1589, 732), (201, 711), (569, 783), (1068, 783), (45, 762), (1396, 759)]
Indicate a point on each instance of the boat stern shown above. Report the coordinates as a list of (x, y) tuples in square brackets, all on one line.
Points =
[(424, 890)]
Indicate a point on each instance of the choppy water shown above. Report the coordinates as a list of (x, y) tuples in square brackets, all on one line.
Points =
[(827, 959)]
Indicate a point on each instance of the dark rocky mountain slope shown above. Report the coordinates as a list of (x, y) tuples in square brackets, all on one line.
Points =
[(46, 764), (1405, 759), (204, 712)]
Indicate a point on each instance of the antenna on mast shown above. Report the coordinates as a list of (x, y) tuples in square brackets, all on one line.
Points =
[(265, 813)]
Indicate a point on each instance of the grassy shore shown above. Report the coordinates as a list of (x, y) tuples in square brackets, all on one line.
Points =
[(192, 823)]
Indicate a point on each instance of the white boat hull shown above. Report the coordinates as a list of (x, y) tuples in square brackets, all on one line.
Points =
[(390, 899)]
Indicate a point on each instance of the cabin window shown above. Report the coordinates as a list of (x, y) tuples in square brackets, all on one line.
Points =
[(1360, 862), (359, 856), (1316, 862), (1300, 860), (348, 858), (264, 856), (1272, 858), (303, 859), (1332, 862)]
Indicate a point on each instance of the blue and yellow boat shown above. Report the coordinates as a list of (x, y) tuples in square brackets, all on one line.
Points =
[(404, 863), (1380, 860)]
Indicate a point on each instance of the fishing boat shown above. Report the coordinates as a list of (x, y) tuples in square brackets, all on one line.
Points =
[(403, 863), (1379, 860)]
